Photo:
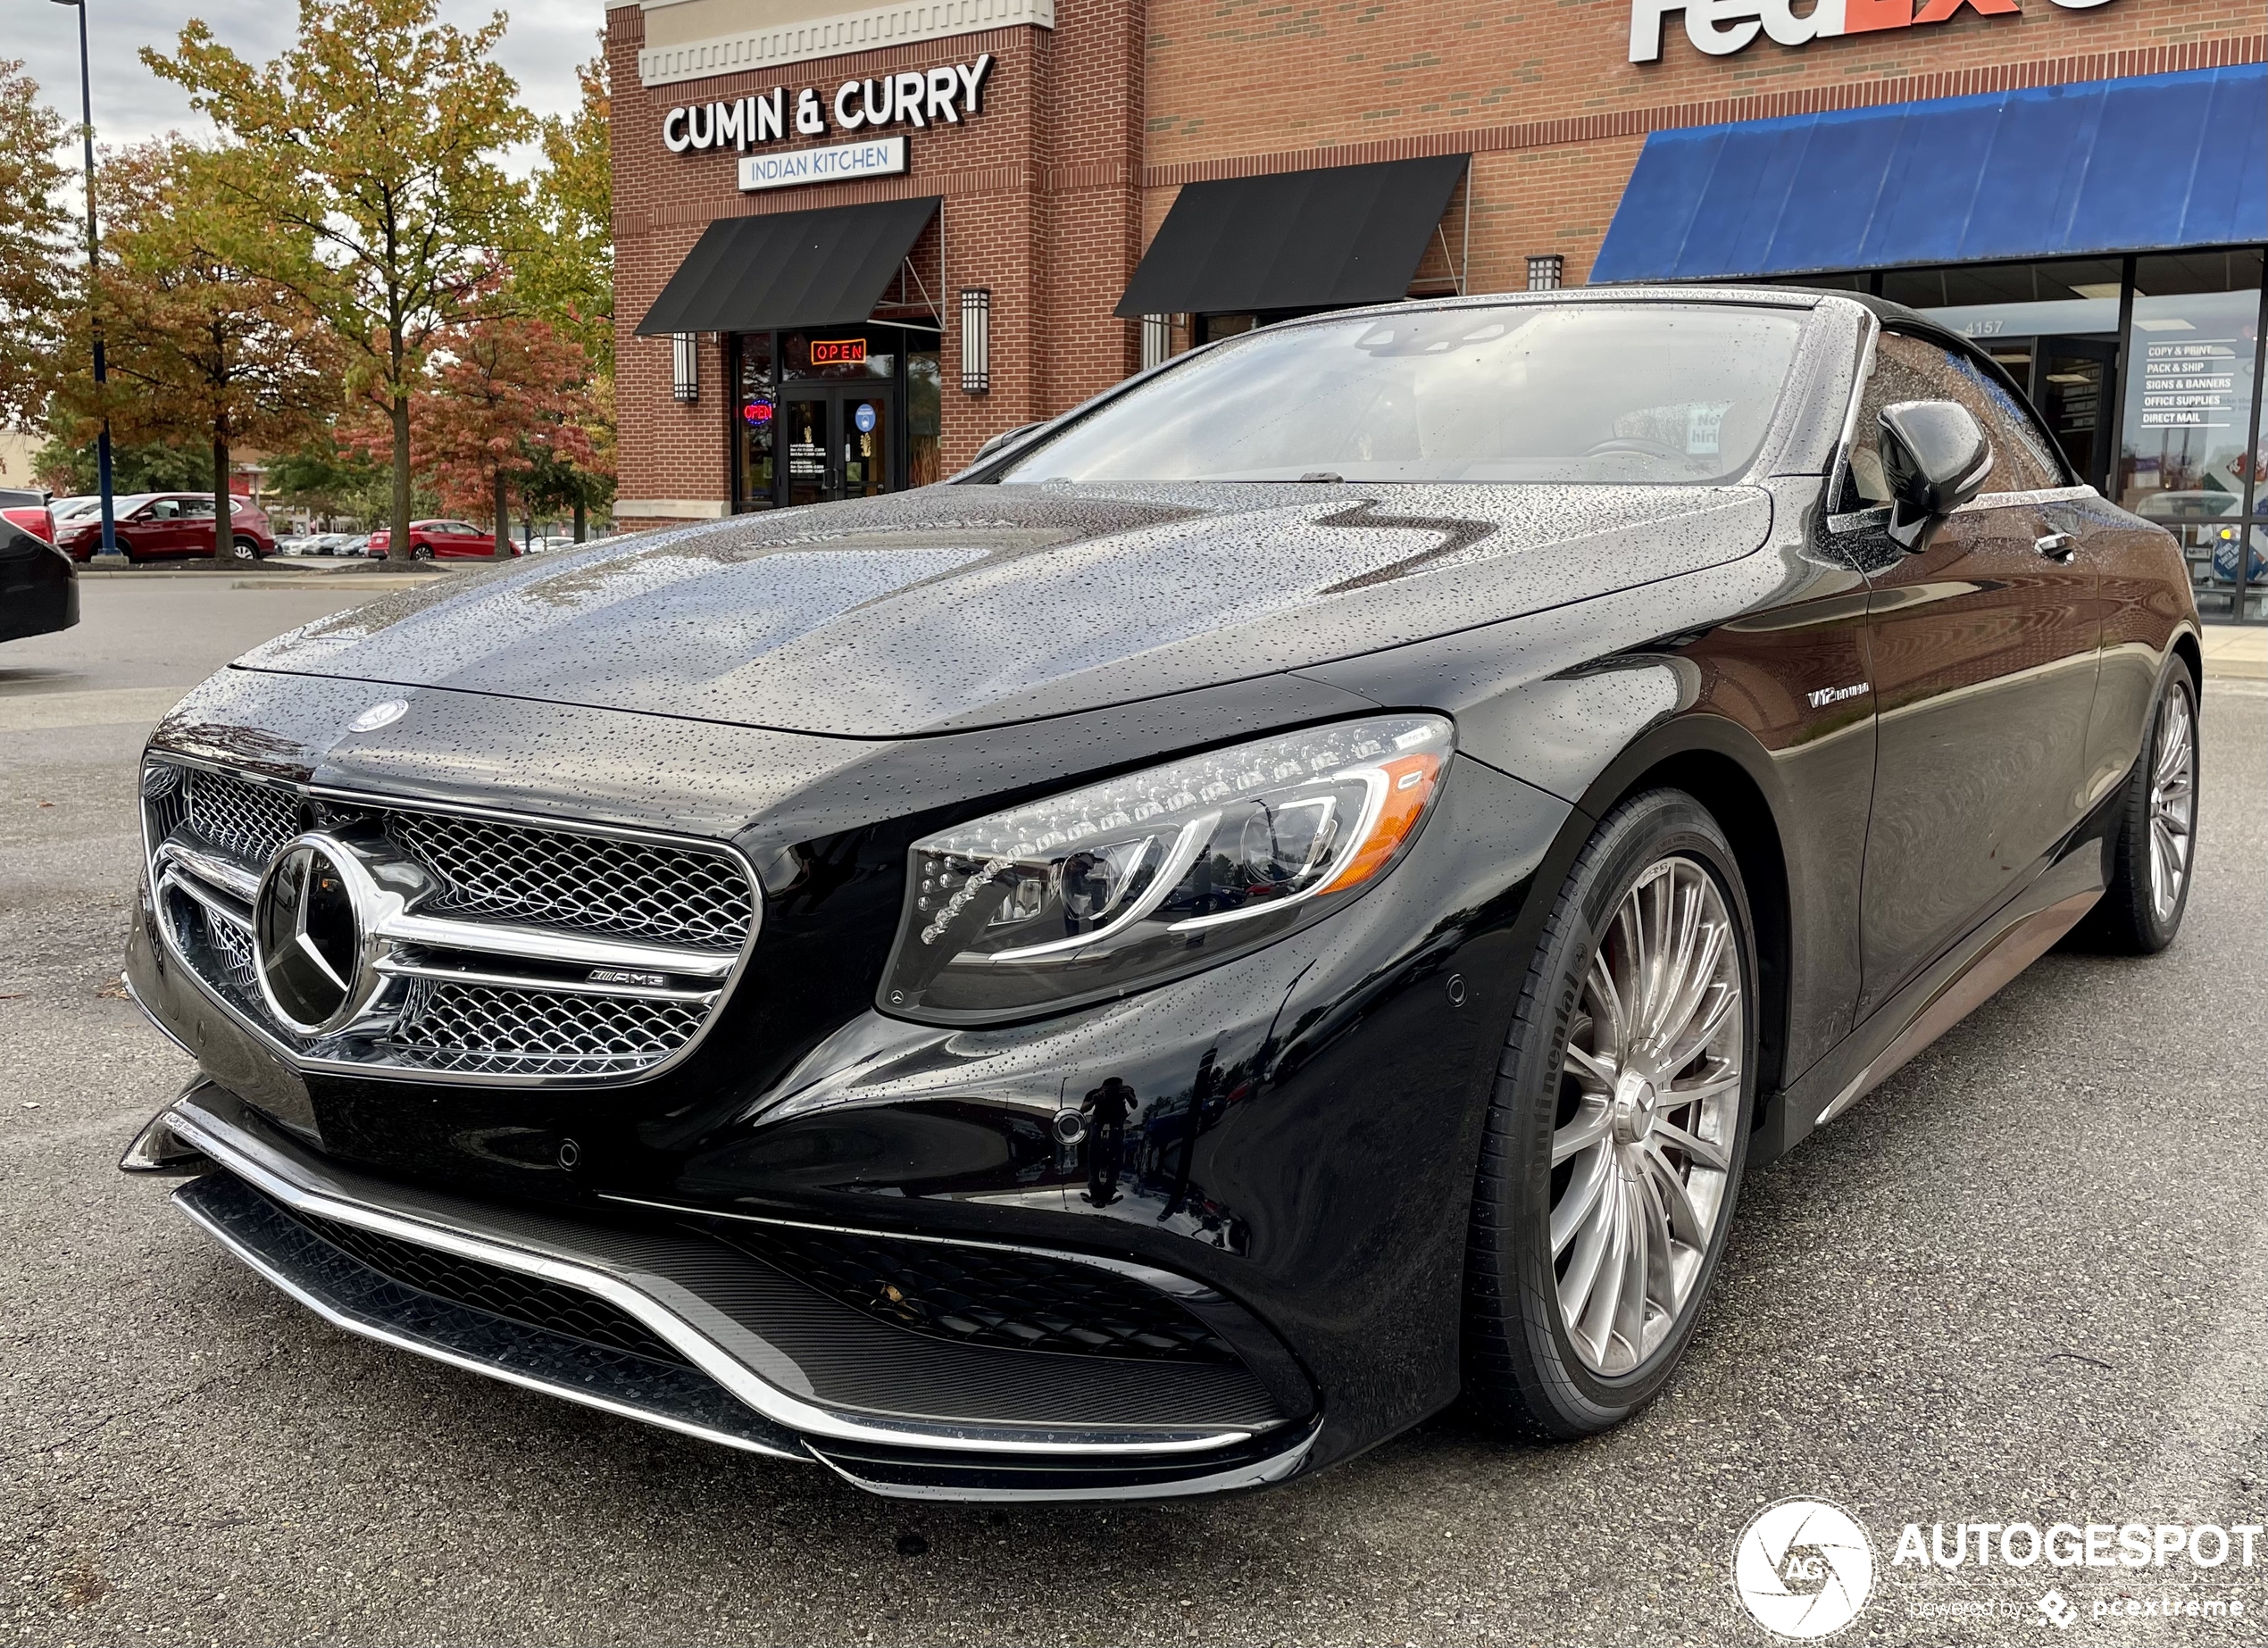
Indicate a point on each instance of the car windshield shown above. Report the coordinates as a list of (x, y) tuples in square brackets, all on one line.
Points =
[(1662, 392)]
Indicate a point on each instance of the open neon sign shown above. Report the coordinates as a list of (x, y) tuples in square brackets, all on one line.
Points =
[(839, 352)]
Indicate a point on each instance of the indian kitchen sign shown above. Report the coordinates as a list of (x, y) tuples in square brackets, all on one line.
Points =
[(1721, 28), (945, 95)]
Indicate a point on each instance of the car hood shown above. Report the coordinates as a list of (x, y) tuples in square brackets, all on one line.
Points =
[(956, 607)]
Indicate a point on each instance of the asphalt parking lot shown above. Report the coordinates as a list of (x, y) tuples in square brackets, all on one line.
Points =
[(2025, 1281)]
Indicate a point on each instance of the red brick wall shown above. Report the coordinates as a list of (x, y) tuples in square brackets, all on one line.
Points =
[(1089, 129), (1545, 98), (1023, 195)]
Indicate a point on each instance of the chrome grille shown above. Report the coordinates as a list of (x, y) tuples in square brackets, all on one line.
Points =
[(637, 889), (454, 1027), (250, 820), (511, 952), (231, 945)]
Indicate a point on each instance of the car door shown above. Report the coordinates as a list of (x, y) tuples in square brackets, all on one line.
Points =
[(196, 534), (1982, 651), (156, 527)]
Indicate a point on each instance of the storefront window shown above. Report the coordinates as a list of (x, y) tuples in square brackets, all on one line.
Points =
[(924, 407), (2188, 448), (849, 352), (754, 420), (1992, 301)]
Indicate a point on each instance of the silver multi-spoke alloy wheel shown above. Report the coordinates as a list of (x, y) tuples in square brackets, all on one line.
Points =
[(2173, 771), (1653, 1053)]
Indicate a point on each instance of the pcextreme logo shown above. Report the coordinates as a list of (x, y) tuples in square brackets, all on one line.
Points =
[(1721, 28), (1804, 1569)]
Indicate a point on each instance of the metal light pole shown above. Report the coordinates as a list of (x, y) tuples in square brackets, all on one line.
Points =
[(109, 552)]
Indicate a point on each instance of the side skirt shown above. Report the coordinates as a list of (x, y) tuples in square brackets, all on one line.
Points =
[(2018, 934)]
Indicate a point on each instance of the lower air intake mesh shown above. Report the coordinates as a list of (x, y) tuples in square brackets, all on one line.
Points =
[(484, 1287), (989, 1295)]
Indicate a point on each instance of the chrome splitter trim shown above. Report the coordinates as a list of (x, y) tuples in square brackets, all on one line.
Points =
[(365, 1328), (277, 1177)]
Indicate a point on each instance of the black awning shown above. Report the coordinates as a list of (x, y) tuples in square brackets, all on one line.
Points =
[(1294, 239), (790, 268)]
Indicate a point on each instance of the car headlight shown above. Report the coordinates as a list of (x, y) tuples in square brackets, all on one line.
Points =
[(1141, 878)]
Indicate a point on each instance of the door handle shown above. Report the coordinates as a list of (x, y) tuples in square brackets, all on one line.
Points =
[(2058, 546)]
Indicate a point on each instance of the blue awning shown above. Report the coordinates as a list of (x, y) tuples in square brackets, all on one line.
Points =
[(2151, 163)]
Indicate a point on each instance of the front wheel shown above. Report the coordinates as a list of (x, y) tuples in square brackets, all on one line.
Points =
[(1615, 1137)]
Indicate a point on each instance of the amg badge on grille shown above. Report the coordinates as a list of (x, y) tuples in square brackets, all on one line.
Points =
[(615, 975)]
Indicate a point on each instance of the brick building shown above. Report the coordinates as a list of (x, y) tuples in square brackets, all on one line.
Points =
[(852, 245)]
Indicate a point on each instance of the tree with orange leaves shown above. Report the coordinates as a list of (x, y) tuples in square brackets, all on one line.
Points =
[(203, 352), (505, 395)]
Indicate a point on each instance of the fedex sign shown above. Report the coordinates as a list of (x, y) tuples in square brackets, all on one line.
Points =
[(1720, 28)]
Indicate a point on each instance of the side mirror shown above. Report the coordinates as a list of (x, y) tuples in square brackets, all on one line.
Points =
[(1006, 437), (1934, 458)]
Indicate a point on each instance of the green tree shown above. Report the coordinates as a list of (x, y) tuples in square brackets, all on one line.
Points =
[(329, 481), (564, 271), (66, 465), (557, 484), (565, 275), (35, 229), (203, 351), (373, 141)]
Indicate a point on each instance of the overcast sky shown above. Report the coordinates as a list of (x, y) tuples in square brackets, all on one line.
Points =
[(546, 40)]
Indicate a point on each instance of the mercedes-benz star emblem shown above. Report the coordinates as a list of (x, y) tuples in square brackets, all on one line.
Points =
[(307, 937), (384, 713)]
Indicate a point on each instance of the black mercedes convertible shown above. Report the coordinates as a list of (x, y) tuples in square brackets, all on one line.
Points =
[(1280, 898)]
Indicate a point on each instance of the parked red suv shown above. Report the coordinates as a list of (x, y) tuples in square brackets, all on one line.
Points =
[(445, 540), (150, 526)]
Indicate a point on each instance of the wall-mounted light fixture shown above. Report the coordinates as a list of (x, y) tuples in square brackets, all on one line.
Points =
[(976, 340), (685, 367), (1544, 271)]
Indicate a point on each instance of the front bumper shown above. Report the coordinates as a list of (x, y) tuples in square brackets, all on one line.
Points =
[(1299, 1127), (672, 1326)]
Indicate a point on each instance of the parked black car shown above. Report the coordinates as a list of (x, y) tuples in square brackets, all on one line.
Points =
[(1287, 894), (38, 584)]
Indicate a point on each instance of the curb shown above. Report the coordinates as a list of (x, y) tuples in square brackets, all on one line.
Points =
[(280, 578)]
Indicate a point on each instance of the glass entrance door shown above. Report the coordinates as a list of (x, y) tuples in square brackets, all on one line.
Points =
[(810, 441), (864, 430), (838, 442), (2074, 385)]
